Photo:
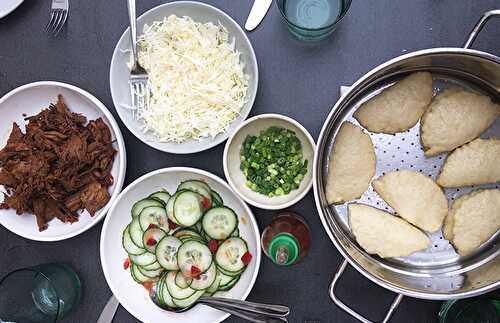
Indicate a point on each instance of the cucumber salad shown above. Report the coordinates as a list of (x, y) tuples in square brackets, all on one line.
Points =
[(187, 244)]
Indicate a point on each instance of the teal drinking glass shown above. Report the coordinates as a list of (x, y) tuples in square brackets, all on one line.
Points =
[(470, 310), (44, 293), (312, 20)]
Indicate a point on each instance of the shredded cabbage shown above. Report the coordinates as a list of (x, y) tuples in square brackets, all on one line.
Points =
[(197, 81)]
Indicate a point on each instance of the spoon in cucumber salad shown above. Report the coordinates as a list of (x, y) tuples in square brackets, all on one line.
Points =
[(185, 247), (253, 312)]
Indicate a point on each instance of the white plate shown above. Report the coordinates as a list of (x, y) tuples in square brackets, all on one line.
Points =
[(7, 6), (133, 296), (30, 99), (119, 72)]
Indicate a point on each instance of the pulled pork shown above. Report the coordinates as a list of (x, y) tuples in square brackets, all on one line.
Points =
[(58, 167)]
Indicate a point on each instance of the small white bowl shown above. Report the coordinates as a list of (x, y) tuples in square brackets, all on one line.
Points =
[(132, 296), (237, 179)]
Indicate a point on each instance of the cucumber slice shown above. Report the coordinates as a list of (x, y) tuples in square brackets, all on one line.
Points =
[(174, 290), (225, 279), (230, 284), (206, 279), (228, 256), (216, 199), (193, 253), (136, 232), (129, 245), (230, 273), (153, 215), (145, 259), (137, 275), (150, 273), (170, 207), (162, 196), (187, 208), (141, 204), (155, 265), (199, 187), (195, 186), (167, 299), (219, 222), (190, 301), (159, 289), (215, 285), (181, 281), (166, 252), (186, 233), (186, 239), (150, 235)]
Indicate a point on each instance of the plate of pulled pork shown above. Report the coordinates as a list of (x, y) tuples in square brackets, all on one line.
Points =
[(62, 161)]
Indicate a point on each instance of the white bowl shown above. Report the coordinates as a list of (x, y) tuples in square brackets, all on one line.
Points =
[(30, 99), (237, 179), (7, 6), (119, 72), (132, 296)]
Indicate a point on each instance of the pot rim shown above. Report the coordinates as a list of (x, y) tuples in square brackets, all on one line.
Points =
[(382, 282)]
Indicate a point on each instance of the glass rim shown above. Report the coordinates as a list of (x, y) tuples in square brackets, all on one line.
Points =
[(34, 270), (288, 21)]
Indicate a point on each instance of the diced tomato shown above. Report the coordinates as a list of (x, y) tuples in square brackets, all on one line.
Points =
[(205, 202), (152, 225), (195, 272), (126, 263), (148, 284), (213, 245), (172, 225), (151, 242), (246, 258)]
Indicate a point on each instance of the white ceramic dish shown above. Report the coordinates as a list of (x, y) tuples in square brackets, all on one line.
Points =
[(119, 72), (31, 99), (237, 179), (7, 6), (133, 296)]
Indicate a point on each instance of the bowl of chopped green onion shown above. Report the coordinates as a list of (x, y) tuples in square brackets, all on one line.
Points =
[(268, 161)]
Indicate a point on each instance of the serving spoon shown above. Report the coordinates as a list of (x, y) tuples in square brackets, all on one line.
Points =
[(250, 311)]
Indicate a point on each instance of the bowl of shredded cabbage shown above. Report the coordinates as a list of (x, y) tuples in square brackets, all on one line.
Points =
[(203, 77)]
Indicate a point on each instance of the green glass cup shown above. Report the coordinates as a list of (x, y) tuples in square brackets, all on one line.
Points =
[(44, 293), (470, 310), (312, 20)]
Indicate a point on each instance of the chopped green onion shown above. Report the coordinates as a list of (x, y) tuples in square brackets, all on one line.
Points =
[(272, 162)]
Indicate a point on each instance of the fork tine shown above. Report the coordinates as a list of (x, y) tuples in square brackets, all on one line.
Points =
[(57, 14), (50, 22), (140, 94), (133, 95), (58, 21), (63, 21)]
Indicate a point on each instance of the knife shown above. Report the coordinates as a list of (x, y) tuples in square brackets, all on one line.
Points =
[(258, 12)]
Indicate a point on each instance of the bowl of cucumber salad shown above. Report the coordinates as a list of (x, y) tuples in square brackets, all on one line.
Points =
[(177, 234)]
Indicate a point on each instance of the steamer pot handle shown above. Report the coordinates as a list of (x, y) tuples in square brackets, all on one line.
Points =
[(480, 24), (349, 310)]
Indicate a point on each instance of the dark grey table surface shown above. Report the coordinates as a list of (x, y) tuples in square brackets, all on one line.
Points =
[(298, 80)]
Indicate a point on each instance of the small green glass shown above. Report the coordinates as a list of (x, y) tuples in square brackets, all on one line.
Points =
[(470, 310), (43, 293), (312, 20)]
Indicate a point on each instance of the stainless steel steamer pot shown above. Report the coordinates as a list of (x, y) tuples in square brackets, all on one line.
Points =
[(437, 273)]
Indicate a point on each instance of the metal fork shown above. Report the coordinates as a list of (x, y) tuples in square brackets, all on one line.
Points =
[(59, 11), (139, 85)]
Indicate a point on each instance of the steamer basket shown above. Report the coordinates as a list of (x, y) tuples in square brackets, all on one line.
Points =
[(437, 273)]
